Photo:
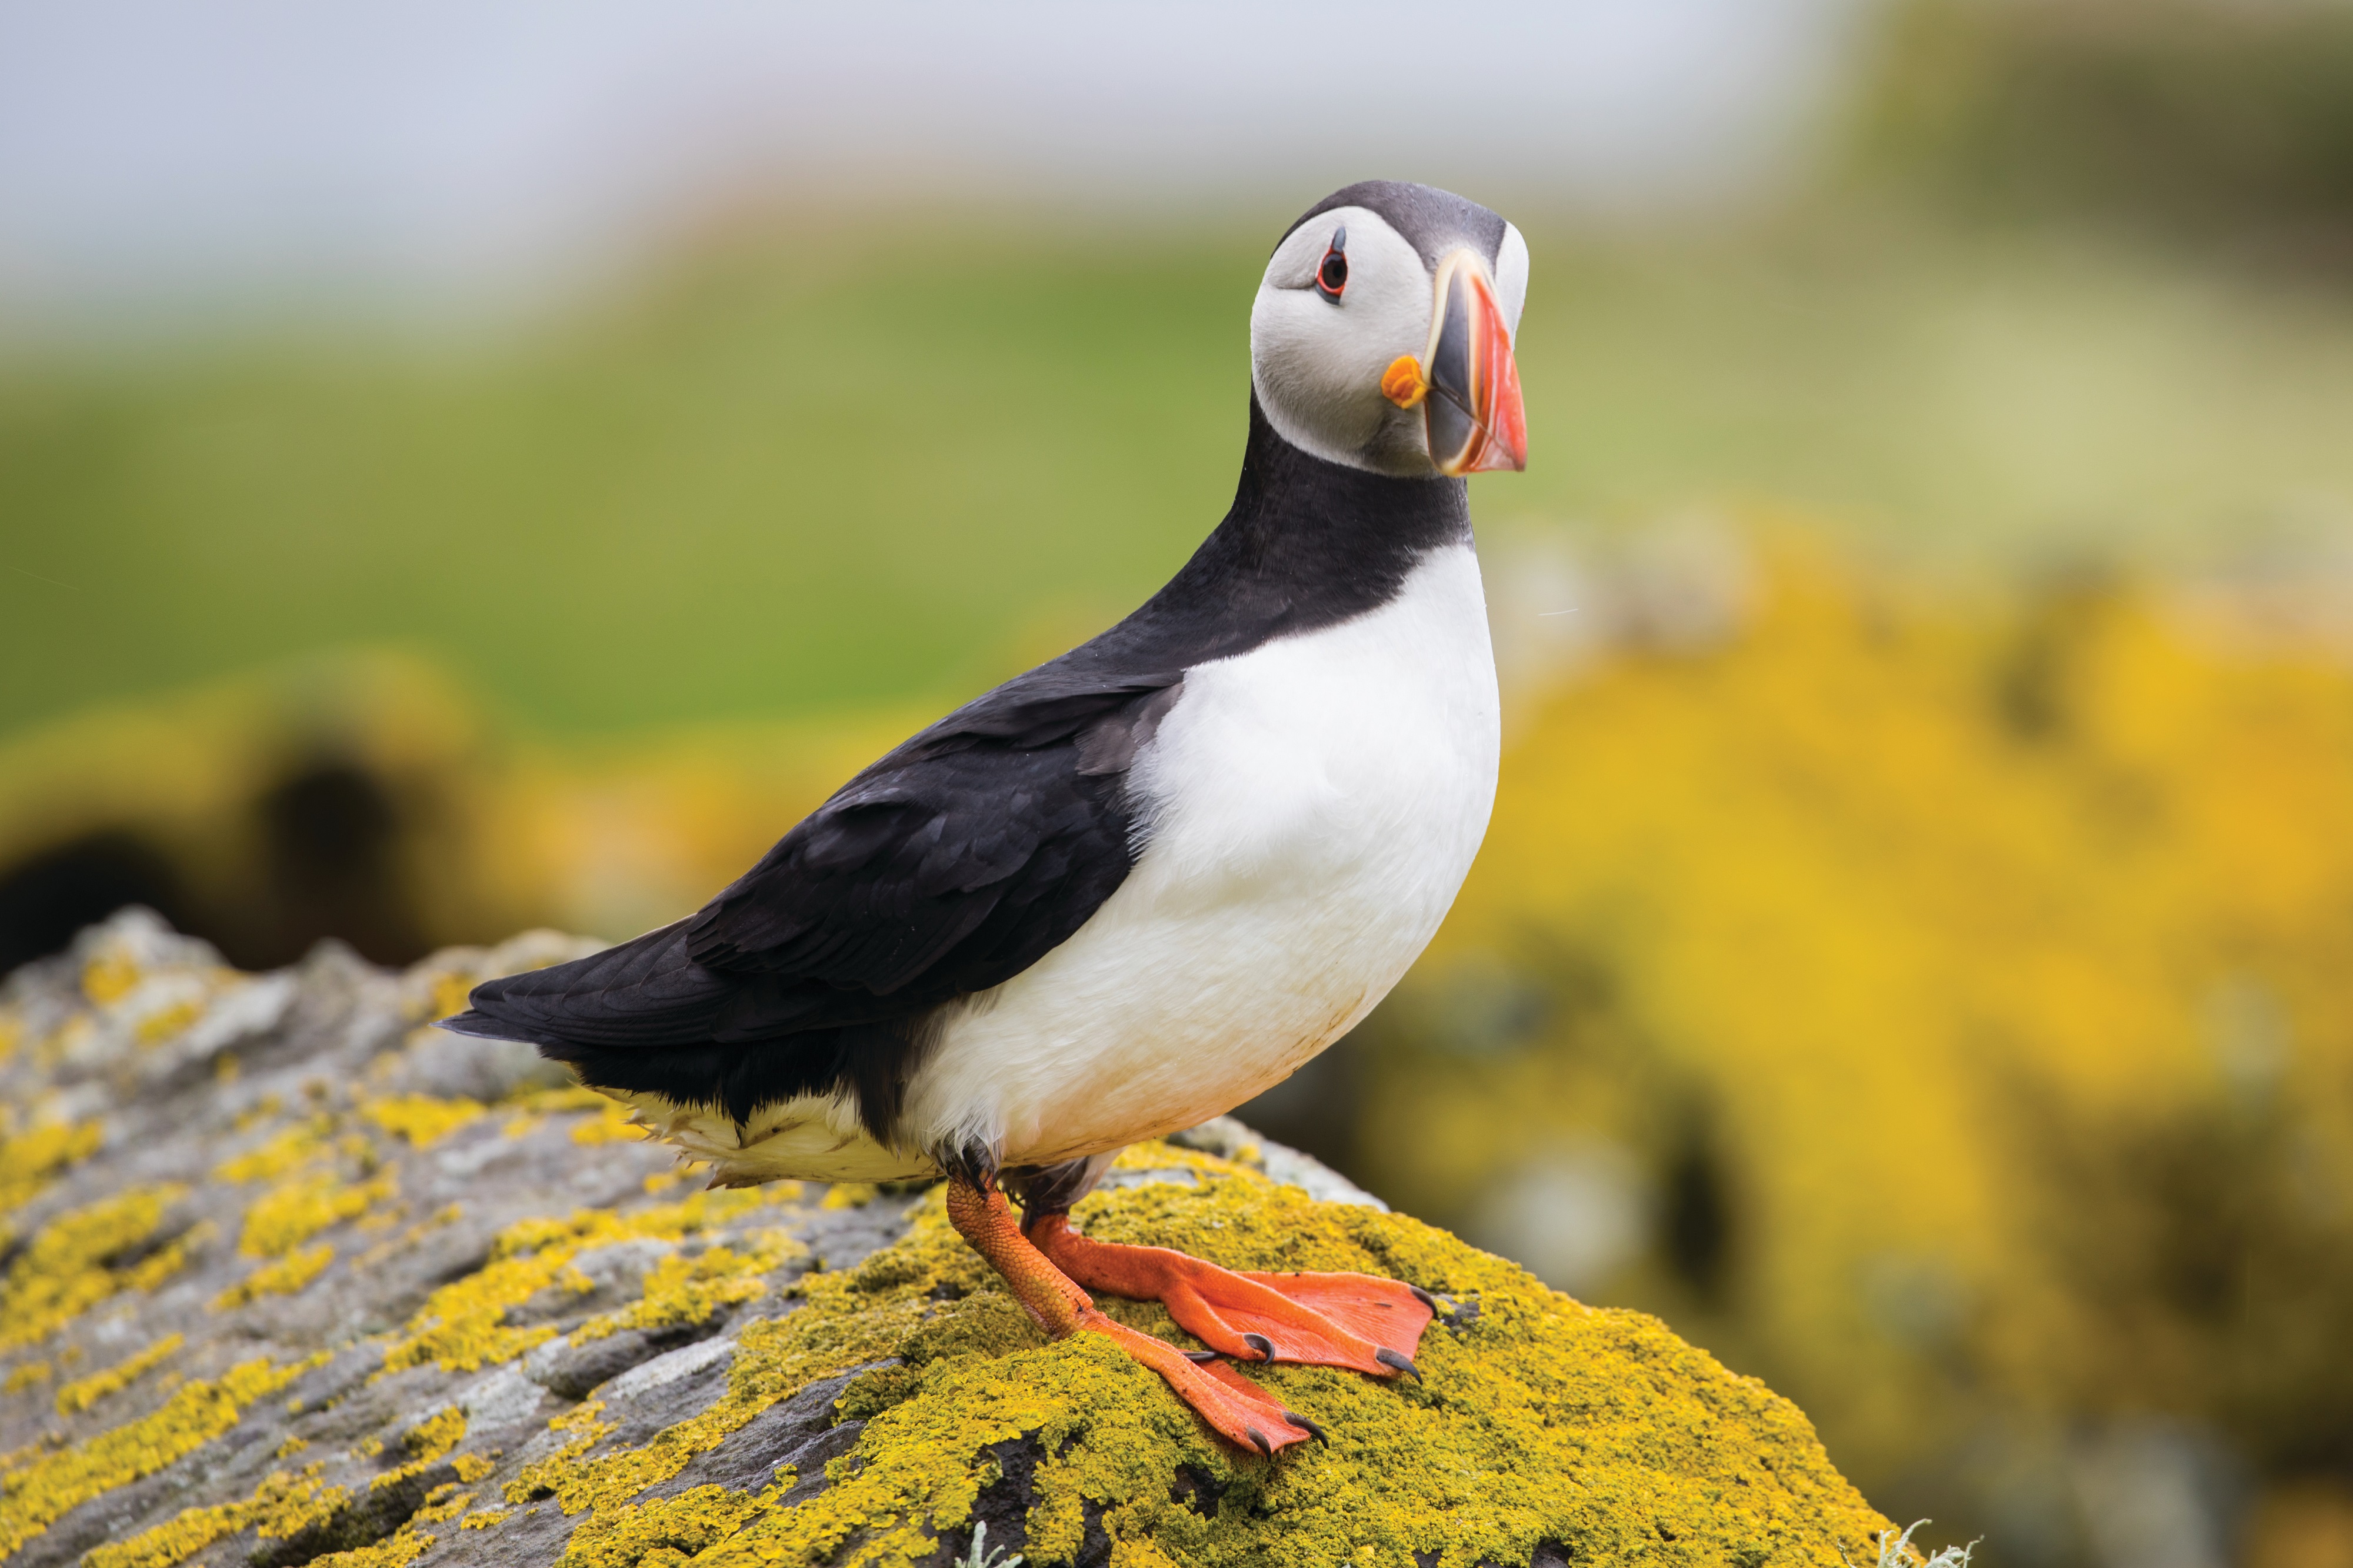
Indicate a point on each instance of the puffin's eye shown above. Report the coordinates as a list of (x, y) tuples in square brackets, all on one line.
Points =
[(1331, 274)]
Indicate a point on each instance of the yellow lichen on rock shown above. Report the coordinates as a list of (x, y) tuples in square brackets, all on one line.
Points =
[(1158, 1156), (574, 1097), (686, 1525), (285, 1277), (289, 1214), (306, 1196), (449, 992), (1541, 1421), (421, 1119), (31, 1159), (84, 1392), (462, 1326), (282, 1506), (550, 1476), (66, 1268), (282, 1152), (398, 1549), (614, 1123), (34, 1497), (427, 1442), (848, 1318), (156, 1027), (108, 977), (443, 1503), (689, 1289), (173, 1541)]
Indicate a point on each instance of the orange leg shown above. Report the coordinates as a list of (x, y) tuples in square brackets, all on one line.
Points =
[(1325, 1320), (1242, 1412)]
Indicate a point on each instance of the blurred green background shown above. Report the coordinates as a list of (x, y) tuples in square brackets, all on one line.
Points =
[(1909, 952)]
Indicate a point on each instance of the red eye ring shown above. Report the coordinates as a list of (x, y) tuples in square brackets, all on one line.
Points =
[(1331, 272)]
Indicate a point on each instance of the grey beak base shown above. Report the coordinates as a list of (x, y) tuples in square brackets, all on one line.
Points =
[(1446, 411)]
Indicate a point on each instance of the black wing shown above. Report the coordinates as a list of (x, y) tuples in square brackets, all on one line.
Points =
[(949, 867)]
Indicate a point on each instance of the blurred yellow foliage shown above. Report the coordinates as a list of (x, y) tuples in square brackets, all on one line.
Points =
[(1963, 985), (357, 796)]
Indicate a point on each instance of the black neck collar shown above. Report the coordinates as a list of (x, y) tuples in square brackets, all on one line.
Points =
[(1307, 543)]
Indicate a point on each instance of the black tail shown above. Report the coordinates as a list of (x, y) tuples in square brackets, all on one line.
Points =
[(646, 1017), (646, 993)]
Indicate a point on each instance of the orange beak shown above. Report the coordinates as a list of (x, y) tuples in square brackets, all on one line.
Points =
[(1471, 410)]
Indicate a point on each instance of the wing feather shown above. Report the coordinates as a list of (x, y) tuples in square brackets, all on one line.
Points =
[(947, 868)]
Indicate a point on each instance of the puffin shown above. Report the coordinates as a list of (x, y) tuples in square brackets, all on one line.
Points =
[(1140, 884)]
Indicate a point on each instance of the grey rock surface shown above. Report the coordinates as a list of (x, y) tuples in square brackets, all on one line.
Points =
[(289, 1273)]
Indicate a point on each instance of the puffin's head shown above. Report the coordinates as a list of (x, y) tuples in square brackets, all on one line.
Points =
[(1382, 334)]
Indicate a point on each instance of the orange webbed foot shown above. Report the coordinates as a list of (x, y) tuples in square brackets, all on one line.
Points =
[(1357, 1321), (1243, 1412), (1246, 1415)]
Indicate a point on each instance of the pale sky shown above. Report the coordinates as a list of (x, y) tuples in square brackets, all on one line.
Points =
[(153, 149)]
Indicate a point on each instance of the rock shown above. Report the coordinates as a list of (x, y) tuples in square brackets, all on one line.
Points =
[(1225, 1136), (288, 1280)]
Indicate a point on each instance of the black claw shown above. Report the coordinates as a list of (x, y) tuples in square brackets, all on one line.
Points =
[(1425, 1298), (1199, 1358), (1259, 1438), (1305, 1425), (1389, 1357), (1261, 1343)]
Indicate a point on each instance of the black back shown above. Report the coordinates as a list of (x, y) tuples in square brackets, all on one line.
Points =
[(973, 849)]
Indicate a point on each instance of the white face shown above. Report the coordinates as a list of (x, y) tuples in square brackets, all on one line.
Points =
[(1317, 362)]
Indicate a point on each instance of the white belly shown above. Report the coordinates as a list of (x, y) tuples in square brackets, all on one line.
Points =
[(1310, 810), (1312, 807)]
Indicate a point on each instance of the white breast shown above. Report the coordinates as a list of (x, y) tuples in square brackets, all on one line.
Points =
[(1312, 807)]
